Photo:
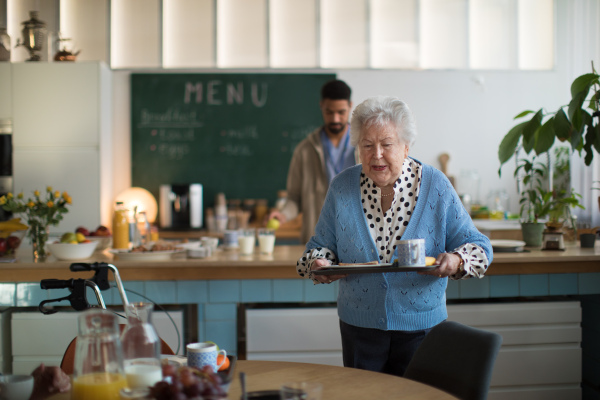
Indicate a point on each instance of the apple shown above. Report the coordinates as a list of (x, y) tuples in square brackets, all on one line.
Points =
[(69, 237), (102, 231), (13, 242), (3, 246), (83, 231), (273, 224)]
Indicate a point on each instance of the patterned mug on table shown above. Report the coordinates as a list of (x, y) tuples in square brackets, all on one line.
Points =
[(204, 353)]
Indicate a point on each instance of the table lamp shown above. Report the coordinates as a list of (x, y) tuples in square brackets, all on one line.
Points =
[(140, 198)]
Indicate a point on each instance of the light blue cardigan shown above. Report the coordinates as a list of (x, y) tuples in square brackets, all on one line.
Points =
[(404, 301)]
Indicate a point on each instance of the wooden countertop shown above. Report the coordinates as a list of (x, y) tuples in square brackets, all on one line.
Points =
[(281, 265)]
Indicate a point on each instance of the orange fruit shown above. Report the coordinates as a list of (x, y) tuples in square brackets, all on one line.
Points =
[(220, 360)]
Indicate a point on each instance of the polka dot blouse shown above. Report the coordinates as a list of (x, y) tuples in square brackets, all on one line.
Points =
[(387, 226)]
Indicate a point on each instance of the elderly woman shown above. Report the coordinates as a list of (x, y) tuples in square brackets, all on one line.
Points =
[(368, 209)]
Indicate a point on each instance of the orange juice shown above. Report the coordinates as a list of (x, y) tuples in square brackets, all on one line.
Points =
[(98, 386), (120, 226)]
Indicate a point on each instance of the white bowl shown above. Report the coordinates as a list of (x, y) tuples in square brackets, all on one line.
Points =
[(104, 242), (16, 387), (72, 251), (199, 252)]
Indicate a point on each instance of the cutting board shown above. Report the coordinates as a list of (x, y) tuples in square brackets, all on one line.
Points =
[(443, 159)]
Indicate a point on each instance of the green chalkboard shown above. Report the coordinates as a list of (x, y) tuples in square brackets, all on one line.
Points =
[(233, 133)]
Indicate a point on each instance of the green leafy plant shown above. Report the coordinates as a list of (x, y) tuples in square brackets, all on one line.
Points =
[(537, 201), (562, 202), (577, 126)]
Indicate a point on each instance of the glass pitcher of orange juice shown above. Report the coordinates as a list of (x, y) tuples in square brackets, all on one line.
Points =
[(98, 369)]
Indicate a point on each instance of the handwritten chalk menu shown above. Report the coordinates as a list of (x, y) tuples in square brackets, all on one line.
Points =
[(233, 133)]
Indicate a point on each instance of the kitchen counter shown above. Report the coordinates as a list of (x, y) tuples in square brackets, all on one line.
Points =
[(281, 265)]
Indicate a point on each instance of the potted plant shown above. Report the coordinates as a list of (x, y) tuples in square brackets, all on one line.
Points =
[(577, 126), (535, 199), (537, 202)]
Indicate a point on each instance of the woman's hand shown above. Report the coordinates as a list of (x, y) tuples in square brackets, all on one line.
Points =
[(449, 264), (275, 214), (48, 381), (321, 263)]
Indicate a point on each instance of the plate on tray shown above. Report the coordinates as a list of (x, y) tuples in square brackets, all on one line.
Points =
[(126, 255), (507, 246)]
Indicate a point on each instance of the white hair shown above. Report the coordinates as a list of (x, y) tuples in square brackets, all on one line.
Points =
[(383, 111)]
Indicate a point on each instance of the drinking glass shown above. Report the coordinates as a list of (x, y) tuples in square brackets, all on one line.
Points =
[(141, 347), (301, 391), (266, 240), (246, 240), (98, 369)]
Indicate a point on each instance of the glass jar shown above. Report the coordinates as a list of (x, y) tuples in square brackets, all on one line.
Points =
[(141, 347), (281, 199), (120, 226), (4, 45), (98, 369), (143, 228), (261, 210)]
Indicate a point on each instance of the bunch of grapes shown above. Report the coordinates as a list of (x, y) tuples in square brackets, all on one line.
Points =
[(183, 383)]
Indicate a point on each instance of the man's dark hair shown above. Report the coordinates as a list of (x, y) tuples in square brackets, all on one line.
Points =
[(336, 90)]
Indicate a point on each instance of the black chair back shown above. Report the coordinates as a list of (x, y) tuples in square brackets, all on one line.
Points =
[(456, 358)]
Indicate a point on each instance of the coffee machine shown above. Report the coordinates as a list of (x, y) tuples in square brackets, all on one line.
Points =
[(6, 163), (180, 206)]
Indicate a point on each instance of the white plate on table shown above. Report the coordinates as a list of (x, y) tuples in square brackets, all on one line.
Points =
[(503, 245), (126, 255)]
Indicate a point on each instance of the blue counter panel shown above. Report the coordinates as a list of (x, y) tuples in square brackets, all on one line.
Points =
[(217, 299)]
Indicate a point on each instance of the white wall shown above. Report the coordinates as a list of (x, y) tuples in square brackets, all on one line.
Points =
[(464, 113)]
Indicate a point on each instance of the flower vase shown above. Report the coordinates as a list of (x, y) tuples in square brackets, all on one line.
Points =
[(39, 236)]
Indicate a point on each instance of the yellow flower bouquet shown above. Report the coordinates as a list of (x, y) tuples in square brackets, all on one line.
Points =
[(40, 212)]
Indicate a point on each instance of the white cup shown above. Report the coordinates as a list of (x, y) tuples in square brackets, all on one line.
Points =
[(16, 387), (210, 242), (230, 239), (246, 241), (266, 240), (204, 353), (411, 252)]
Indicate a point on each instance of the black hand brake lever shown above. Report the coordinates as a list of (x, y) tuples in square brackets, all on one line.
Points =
[(76, 298), (101, 273), (101, 276)]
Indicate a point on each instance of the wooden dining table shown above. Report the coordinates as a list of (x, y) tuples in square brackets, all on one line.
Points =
[(339, 383)]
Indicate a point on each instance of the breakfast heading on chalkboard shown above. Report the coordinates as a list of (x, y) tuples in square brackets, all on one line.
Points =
[(217, 93)]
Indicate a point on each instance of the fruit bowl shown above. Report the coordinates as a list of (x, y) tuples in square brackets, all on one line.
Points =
[(104, 242), (10, 242), (72, 251)]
